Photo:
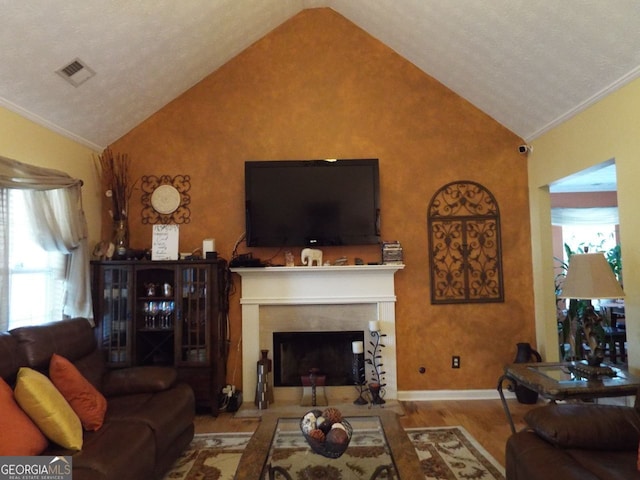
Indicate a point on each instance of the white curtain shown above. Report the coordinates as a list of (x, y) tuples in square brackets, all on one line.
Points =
[(59, 224), (58, 219), (585, 216)]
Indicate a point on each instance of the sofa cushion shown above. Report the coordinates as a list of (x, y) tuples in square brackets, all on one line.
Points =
[(48, 409), (87, 402), (92, 367), (607, 464), (589, 426), (529, 457), (119, 450), (73, 339), (151, 410), (10, 357), (142, 379), (20, 436)]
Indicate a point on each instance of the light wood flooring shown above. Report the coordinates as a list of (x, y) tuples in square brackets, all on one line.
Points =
[(484, 419)]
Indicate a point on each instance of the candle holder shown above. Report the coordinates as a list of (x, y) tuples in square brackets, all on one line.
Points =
[(376, 386), (359, 378)]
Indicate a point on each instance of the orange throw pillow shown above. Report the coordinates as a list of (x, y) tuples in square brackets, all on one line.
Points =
[(20, 436), (88, 403)]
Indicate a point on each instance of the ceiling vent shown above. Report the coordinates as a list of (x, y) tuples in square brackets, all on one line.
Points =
[(76, 73)]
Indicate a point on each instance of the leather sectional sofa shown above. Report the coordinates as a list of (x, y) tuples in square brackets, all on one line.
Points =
[(149, 416), (576, 441)]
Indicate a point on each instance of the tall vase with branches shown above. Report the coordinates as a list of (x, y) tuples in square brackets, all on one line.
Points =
[(114, 170)]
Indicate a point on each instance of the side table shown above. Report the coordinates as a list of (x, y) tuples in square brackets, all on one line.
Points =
[(556, 381)]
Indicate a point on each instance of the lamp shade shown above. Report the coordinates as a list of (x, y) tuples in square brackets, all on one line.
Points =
[(590, 277)]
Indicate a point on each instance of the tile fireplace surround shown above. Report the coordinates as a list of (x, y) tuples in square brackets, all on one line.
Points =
[(324, 298)]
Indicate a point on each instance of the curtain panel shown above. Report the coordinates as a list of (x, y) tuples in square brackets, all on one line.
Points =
[(585, 216), (58, 221)]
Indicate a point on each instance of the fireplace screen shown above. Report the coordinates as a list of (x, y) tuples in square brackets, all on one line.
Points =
[(296, 353)]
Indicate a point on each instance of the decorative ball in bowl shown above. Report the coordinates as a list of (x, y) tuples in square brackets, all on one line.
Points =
[(326, 431)]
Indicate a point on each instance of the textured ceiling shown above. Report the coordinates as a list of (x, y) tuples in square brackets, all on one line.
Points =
[(529, 65)]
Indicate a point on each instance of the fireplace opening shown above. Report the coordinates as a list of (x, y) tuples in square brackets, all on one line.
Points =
[(296, 353)]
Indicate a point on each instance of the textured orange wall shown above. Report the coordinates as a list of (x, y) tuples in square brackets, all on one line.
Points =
[(320, 87)]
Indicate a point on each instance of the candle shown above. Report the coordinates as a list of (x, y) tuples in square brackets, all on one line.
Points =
[(357, 347), (374, 326)]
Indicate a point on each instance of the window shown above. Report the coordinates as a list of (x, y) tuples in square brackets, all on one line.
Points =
[(36, 277), (42, 207), (597, 238)]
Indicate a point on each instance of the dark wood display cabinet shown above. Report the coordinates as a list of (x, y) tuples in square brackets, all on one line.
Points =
[(165, 313)]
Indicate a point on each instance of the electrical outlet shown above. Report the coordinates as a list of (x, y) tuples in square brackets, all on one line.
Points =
[(455, 361)]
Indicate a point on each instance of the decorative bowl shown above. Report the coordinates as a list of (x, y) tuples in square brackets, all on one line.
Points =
[(329, 449)]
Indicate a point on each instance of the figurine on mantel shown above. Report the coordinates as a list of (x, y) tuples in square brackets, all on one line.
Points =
[(340, 261), (311, 255)]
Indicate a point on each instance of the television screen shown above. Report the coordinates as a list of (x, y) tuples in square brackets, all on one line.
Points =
[(312, 202)]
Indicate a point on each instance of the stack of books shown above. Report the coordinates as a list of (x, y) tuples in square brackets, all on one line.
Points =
[(392, 253)]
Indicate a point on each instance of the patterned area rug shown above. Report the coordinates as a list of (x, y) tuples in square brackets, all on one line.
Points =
[(446, 453)]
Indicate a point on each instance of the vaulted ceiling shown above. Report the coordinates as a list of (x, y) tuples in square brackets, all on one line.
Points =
[(530, 65)]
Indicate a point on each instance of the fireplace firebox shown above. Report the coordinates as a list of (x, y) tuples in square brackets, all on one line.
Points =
[(296, 353)]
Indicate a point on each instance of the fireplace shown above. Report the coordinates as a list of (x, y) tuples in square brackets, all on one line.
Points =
[(296, 353), (316, 299)]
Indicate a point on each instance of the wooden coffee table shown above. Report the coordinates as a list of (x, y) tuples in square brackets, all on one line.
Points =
[(276, 436), (556, 381)]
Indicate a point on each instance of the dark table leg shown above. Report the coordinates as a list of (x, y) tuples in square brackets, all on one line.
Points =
[(505, 405), (385, 470), (613, 355), (280, 470)]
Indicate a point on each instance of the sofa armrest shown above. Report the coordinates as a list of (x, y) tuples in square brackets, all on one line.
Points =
[(529, 457), (146, 379), (588, 426)]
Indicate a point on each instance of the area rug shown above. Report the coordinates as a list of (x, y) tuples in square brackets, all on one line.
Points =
[(446, 453)]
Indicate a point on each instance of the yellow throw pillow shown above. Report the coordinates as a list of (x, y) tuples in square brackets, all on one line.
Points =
[(48, 409)]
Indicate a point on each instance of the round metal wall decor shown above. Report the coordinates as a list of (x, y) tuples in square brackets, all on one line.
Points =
[(165, 199)]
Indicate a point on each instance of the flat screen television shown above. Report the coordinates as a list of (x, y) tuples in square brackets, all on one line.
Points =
[(312, 202)]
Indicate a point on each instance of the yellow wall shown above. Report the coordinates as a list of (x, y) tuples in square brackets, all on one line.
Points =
[(319, 87), (607, 130), (30, 143)]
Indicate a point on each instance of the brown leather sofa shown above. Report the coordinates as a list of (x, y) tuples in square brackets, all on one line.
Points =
[(149, 419), (576, 441)]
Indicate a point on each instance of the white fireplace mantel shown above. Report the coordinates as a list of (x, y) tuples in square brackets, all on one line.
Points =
[(317, 285)]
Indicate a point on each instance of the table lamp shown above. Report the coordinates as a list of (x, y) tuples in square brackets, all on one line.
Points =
[(589, 277)]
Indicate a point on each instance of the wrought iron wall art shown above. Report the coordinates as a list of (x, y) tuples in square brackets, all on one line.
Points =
[(465, 253), (165, 199)]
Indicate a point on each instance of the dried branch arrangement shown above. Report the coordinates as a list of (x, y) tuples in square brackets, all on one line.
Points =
[(114, 169)]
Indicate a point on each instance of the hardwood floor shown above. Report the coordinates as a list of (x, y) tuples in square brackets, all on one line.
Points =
[(483, 419)]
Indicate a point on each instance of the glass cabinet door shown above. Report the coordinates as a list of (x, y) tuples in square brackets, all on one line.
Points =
[(116, 314), (155, 315), (194, 328)]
